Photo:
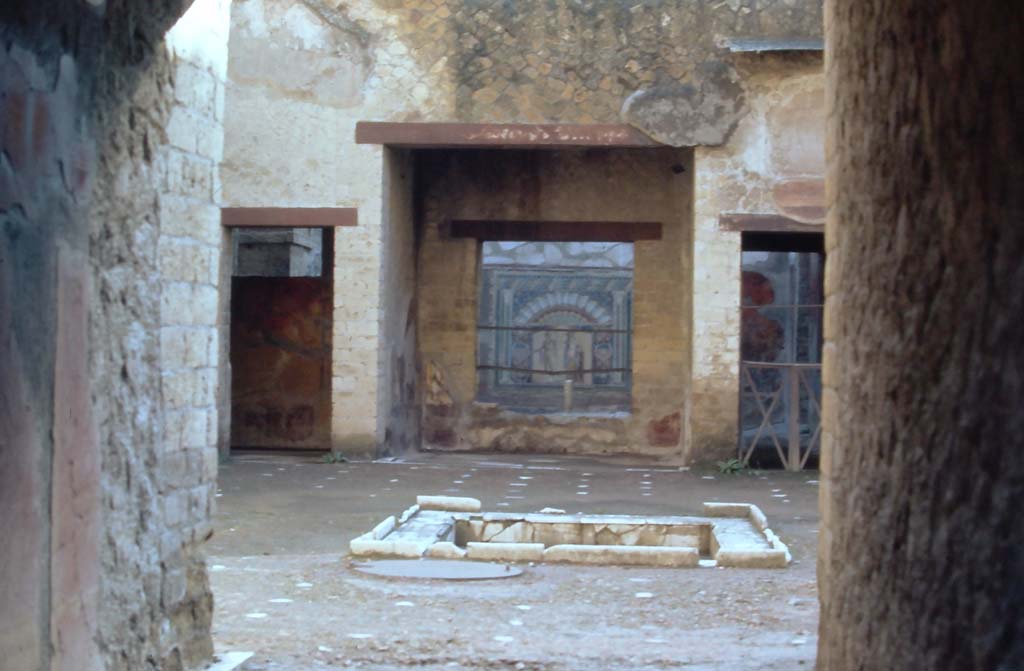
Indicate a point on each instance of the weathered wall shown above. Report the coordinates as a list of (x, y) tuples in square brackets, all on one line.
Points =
[(399, 390), (772, 164), (281, 362), (106, 572), (594, 185), (921, 564), (302, 73)]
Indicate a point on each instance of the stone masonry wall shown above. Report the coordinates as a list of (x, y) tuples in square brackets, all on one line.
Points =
[(303, 73), (189, 250), (610, 185), (107, 574), (773, 164)]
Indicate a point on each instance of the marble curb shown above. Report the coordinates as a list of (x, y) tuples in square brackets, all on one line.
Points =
[(731, 535), (676, 557), (462, 504)]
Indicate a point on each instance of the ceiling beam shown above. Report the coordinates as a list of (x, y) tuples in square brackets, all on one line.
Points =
[(500, 136), (288, 217), (555, 231)]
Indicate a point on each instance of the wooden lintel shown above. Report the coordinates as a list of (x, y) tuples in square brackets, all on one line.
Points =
[(288, 217), (765, 223), (500, 136), (555, 231)]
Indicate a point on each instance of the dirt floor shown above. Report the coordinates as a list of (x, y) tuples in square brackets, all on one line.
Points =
[(285, 589)]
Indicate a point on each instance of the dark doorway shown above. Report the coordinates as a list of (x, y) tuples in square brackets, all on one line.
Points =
[(780, 350), (280, 349)]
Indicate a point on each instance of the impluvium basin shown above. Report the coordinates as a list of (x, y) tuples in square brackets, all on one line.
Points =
[(726, 534)]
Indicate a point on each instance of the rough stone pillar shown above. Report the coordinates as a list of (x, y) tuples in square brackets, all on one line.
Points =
[(922, 545)]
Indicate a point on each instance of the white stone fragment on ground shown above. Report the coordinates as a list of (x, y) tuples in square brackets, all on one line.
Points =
[(516, 623), (504, 639), (324, 648), (449, 503), (218, 567), (552, 511), (255, 616), (524, 606), (228, 661), (517, 552), (357, 635), (644, 595), (303, 585), (281, 600), (707, 563), (446, 550), (707, 477), (405, 604)]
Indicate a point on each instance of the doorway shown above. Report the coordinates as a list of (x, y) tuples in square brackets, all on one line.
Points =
[(781, 312), (280, 340)]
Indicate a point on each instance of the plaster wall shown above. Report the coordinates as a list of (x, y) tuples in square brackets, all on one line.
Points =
[(578, 185), (301, 74), (772, 164)]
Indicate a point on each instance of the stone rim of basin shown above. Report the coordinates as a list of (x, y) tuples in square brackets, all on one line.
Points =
[(451, 528)]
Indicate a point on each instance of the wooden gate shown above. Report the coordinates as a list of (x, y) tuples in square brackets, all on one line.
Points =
[(787, 398)]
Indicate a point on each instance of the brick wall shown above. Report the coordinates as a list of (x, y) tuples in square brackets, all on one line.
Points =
[(189, 250), (595, 185)]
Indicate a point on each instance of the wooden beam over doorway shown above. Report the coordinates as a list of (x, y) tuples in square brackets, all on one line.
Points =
[(765, 223), (288, 217), (500, 136), (555, 231)]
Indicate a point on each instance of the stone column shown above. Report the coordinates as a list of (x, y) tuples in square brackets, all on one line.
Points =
[(921, 563), (716, 318), (620, 321)]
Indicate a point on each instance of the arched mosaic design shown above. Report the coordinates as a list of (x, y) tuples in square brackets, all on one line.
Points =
[(552, 313)]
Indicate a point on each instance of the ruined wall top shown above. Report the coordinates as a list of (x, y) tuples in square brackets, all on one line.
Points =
[(665, 66)]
